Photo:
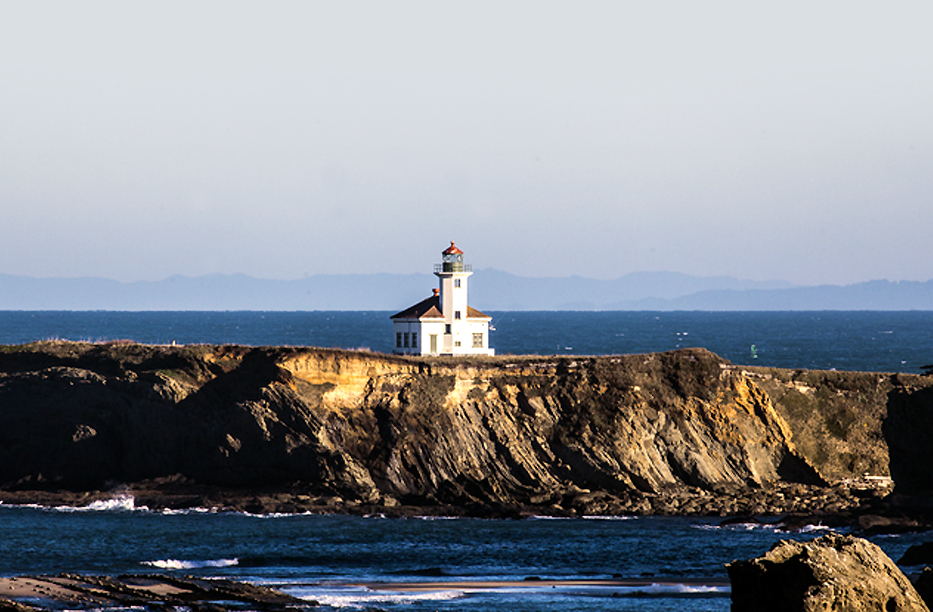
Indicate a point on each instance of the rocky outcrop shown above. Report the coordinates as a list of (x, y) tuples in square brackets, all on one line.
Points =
[(836, 417), (848, 424), (140, 592), (676, 432), (918, 554), (908, 427), (834, 572)]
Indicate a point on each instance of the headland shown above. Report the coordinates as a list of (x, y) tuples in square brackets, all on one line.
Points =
[(295, 429)]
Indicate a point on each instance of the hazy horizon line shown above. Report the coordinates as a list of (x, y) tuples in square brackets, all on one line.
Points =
[(789, 284)]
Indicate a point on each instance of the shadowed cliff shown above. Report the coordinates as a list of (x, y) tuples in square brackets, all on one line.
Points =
[(379, 429)]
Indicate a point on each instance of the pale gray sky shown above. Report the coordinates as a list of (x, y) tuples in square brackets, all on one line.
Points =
[(282, 139)]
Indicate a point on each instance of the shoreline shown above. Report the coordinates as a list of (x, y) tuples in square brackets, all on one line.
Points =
[(149, 591), (276, 430), (533, 582), (158, 591), (856, 506)]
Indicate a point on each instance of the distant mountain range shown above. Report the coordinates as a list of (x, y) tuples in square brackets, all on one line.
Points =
[(490, 290)]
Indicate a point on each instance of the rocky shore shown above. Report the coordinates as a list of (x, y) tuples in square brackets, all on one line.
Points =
[(280, 429), (139, 591), (858, 505)]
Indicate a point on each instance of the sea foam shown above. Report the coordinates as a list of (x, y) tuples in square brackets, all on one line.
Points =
[(176, 564), (122, 502), (366, 598)]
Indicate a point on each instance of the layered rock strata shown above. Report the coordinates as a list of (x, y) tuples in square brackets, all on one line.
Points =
[(680, 432)]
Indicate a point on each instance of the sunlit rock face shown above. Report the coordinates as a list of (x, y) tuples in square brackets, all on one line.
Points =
[(834, 572), (606, 433)]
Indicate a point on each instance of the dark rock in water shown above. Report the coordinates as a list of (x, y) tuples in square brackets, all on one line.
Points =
[(872, 524), (8, 605), (154, 593), (918, 554), (834, 572), (924, 585), (742, 520)]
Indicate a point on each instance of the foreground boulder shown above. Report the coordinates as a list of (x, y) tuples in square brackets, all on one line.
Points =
[(834, 572)]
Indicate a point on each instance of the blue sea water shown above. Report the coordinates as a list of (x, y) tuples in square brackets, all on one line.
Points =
[(331, 558), (863, 341), (335, 560)]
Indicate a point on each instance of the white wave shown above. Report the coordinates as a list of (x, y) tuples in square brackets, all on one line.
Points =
[(811, 528), (176, 564), (657, 589), (182, 511), (364, 598), (752, 527), (124, 502), (36, 506), (739, 527), (609, 518), (215, 510), (268, 515), (675, 589)]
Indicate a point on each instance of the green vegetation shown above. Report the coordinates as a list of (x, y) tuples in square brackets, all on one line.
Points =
[(797, 404)]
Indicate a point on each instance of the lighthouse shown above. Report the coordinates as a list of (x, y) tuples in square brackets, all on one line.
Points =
[(445, 323)]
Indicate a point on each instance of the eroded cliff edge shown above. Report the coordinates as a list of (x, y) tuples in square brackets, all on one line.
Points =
[(302, 428)]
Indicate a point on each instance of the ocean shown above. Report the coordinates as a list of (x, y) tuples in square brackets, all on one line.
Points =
[(349, 563), (365, 563), (860, 340)]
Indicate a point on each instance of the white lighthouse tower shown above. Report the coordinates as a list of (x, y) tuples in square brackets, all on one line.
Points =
[(444, 324)]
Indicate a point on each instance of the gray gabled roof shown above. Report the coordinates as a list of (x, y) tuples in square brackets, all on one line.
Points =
[(425, 309)]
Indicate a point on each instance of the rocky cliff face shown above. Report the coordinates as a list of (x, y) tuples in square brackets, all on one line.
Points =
[(849, 424), (611, 432)]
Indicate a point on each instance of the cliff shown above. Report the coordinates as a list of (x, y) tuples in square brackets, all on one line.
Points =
[(674, 432)]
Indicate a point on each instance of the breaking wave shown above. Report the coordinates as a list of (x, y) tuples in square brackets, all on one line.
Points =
[(176, 564), (123, 502), (366, 598)]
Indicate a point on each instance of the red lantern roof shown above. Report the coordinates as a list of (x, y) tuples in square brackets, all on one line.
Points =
[(452, 250)]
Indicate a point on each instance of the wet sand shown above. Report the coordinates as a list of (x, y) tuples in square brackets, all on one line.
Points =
[(485, 585), (156, 592)]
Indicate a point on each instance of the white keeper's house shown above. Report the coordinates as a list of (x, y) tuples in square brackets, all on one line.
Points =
[(444, 324)]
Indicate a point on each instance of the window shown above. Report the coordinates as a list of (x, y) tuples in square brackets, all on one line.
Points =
[(457, 315), (457, 343), (414, 339), (447, 328), (398, 339), (406, 340), (457, 283), (478, 340)]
